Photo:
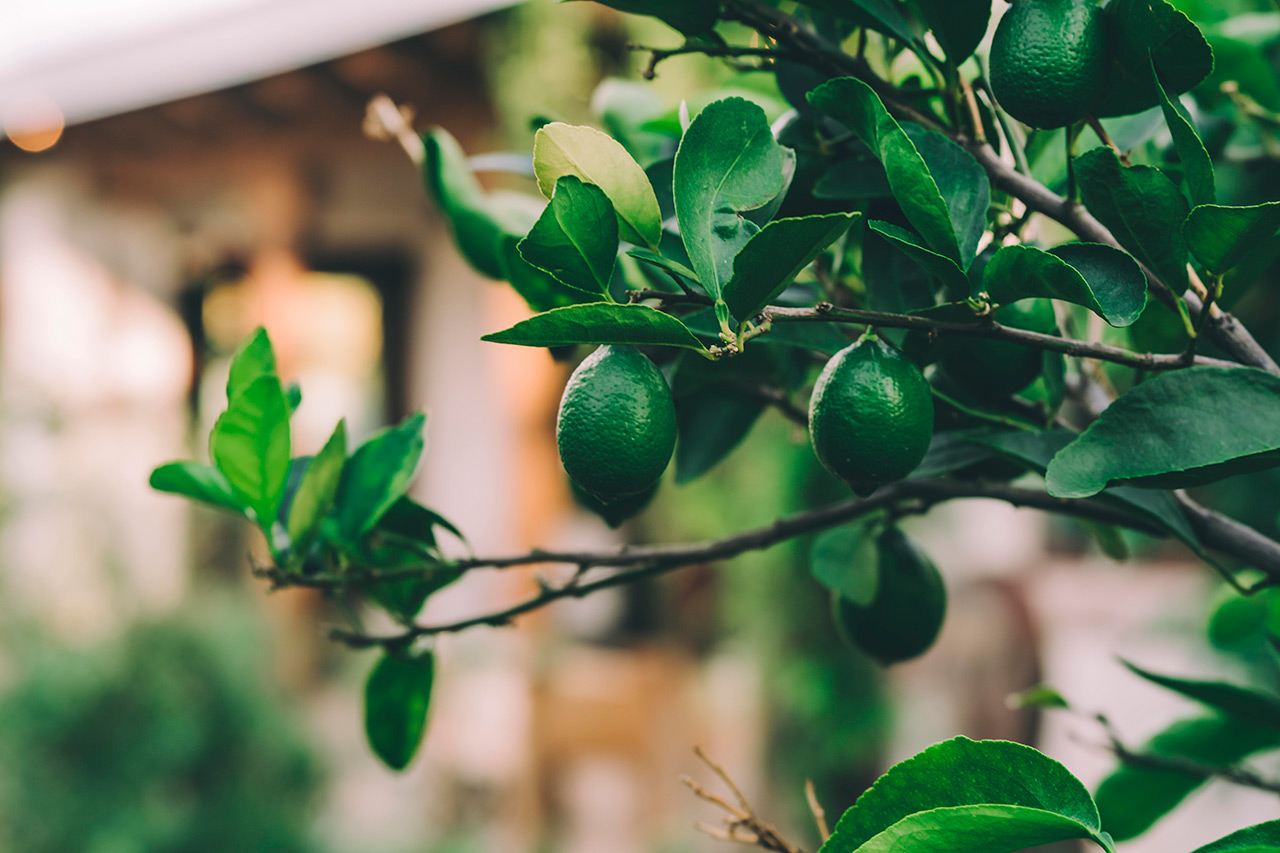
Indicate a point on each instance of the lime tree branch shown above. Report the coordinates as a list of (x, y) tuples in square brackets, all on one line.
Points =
[(661, 54), (641, 563), (1223, 328), (826, 312), (1184, 766)]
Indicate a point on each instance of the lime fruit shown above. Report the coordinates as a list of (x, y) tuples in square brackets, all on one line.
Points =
[(1047, 61), (910, 603), (992, 370), (871, 415), (617, 424)]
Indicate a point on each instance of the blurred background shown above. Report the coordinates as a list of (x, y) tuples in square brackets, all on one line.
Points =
[(174, 175)]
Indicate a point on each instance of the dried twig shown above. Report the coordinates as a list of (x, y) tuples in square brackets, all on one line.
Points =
[(741, 823)]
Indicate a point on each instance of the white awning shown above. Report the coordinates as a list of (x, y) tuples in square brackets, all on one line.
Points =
[(94, 58)]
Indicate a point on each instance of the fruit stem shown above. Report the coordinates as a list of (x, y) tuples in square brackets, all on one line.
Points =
[(979, 134), (1107, 140)]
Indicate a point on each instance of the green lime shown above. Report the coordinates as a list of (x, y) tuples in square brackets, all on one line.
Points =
[(617, 424), (618, 510), (910, 603), (992, 370), (871, 415), (1048, 59)]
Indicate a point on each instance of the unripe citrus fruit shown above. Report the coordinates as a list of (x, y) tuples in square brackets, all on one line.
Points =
[(910, 603), (990, 369), (617, 424), (871, 415), (1048, 59)]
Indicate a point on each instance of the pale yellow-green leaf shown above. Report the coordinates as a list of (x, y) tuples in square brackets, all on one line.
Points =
[(564, 149)]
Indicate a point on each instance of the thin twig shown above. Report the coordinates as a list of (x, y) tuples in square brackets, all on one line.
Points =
[(642, 563), (815, 807), (825, 312), (383, 120), (741, 823), (1185, 766), (661, 54)]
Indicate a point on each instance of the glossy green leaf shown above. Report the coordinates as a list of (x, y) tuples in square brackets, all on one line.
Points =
[(942, 268), (319, 485), (253, 359), (691, 17), (843, 559), (728, 162), (197, 481), (540, 290), (773, 257), (576, 238), (1220, 236), (963, 184), (958, 25), (1142, 208), (896, 283), (598, 323), (1103, 279), (854, 104), (975, 796), (854, 178), (1259, 838), (1169, 432), (1136, 30), (563, 149), (1243, 703), (1133, 798), (1040, 696), (1186, 140), (377, 475), (880, 15), (396, 699), (250, 445), (477, 218), (409, 519)]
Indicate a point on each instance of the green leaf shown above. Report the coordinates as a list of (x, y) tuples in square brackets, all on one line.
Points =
[(843, 559), (854, 104), (963, 184), (880, 15), (691, 17), (728, 162), (1220, 236), (1136, 30), (597, 158), (396, 698), (1243, 703), (1259, 838), (250, 445), (774, 256), (598, 323), (958, 25), (254, 358), (1040, 696), (1169, 432), (1133, 798), (675, 269), (576, 238), (975, 796), (1142, 208), (319, 485), (196, 481), (1103, 279), (896, 283), (409, 519), (854, 178), (478, 219), (942, 268), (1191, 151), (539, 290), (377, 476)]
